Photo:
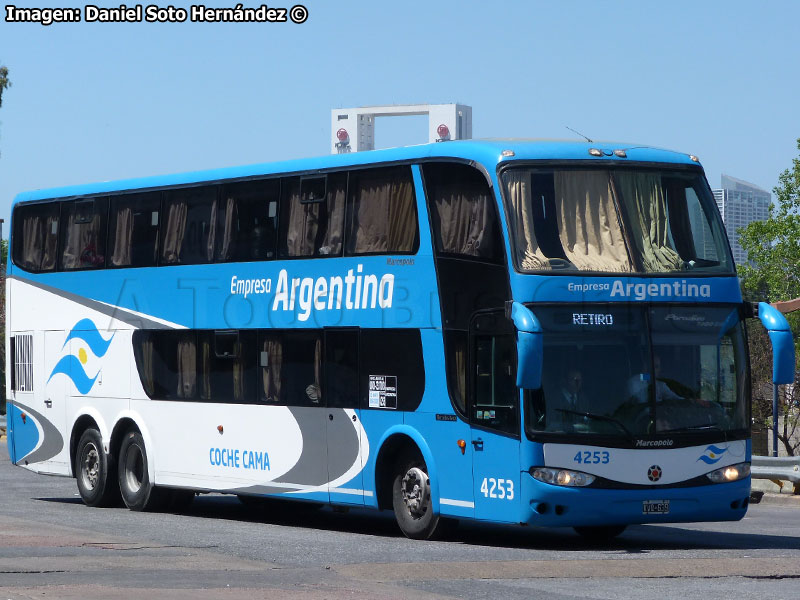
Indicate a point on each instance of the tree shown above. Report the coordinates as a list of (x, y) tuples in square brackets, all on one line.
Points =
[(773, 275), (4, 82)]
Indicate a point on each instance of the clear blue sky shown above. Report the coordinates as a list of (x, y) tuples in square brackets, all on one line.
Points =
[(95, 102)]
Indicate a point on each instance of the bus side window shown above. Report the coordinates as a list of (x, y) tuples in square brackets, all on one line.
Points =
[(381, 212), (312, 215), (463, 212), (35, 244), (290, 368), (133, 230), (190, 230), (247, 221), (83, 241)]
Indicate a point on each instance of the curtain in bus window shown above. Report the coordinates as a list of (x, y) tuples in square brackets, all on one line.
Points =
[(314, 390), (212, 233), (123, 237), (39, 242), (529, 255), (646, 206), (238, 373), (205, 390), (50, 244), (187, 365), (383, 213), (588, 223), (272, 359), (174, 232), (229, 233), (465, 219), (315, 228), (84, 240)]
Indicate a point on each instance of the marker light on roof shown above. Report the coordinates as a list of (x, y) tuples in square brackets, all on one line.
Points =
[(620, 153), (342, 135), (595, 152), (507, 153), (443, 131), (694, 158)]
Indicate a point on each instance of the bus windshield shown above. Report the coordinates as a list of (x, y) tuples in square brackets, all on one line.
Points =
[(619, 220), (637, 371)]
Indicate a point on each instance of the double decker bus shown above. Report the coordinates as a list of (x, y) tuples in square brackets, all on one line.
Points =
[(536, 333)]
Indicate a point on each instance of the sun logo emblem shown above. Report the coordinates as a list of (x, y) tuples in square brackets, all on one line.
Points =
[(654, 473)]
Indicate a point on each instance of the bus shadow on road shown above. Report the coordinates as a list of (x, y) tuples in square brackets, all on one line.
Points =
[(636, 539)]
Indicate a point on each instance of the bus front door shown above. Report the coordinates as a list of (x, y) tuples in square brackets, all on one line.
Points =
[(494, 419), (344, 431)]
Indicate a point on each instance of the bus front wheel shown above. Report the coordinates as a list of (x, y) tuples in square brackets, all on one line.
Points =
[(137, 491), (95, 471), (411, 500)]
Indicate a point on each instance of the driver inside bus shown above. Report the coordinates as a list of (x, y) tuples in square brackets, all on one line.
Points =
[(638, 385)]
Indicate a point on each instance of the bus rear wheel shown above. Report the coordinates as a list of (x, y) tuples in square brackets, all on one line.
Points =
[(95, 471), (600, 534), (137, 491), (411, 500)]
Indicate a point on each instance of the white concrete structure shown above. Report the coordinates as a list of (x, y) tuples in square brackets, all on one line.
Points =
[(353, 129)]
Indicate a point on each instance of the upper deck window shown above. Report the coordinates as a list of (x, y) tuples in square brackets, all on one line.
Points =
[(83, 245), (35, 236), (133, 231), (382, 212), (312, 215), (463, 212), (190, 229), (620, 220)]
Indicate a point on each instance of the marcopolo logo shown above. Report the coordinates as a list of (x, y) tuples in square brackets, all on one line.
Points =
[(654, 443), (355, 291)]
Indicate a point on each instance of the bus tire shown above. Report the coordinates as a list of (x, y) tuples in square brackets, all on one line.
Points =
[(95, 471), (134, 480), (600, 534), (411, 500)]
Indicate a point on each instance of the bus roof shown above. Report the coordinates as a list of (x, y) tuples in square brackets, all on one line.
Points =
[(487, 152)]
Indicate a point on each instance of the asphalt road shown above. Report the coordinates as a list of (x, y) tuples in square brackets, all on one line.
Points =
[(52, 546)]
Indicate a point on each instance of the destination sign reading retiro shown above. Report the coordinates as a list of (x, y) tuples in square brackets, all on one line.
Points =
[(353, 291)]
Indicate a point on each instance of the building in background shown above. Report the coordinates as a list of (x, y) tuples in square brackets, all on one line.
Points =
[(740, 203)]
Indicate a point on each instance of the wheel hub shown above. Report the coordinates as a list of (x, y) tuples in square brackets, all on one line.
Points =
[(416, 491), (90, 469)]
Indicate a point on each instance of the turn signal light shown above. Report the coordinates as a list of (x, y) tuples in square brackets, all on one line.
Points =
[(219, 428), (463, 445)]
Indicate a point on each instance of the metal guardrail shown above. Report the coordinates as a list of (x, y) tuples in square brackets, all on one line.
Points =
[(777, 469)]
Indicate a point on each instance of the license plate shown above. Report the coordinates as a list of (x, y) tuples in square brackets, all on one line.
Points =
[(655, 507)]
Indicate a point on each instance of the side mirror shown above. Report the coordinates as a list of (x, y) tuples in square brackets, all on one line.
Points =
[(529, 346), (780, 334)]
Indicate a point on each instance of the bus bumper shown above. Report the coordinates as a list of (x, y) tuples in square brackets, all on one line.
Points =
[(554, 506)]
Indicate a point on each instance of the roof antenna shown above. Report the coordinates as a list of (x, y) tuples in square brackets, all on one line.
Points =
[(580, 134)]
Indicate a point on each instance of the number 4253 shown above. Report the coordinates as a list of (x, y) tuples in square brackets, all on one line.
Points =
[(497, 488)]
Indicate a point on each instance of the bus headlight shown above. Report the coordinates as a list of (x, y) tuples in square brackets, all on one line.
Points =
[(561, 477), (731, 473)]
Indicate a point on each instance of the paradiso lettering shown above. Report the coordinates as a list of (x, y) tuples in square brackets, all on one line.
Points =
[(357, 290)]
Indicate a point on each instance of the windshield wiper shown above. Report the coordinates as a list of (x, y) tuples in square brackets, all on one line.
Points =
[(617, 422), (700, 427)]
